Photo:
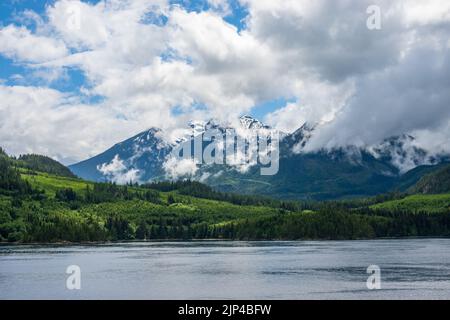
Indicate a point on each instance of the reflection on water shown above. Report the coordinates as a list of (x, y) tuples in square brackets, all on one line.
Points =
[(410, 269)]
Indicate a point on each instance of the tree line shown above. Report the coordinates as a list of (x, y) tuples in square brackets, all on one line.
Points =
[(105, 212)]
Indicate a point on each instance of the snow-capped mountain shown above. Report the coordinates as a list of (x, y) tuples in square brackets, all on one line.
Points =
[(249, 122), (143, 155), (324, 174), (199, 127), (403, 153), (299, 138), (246, 122)]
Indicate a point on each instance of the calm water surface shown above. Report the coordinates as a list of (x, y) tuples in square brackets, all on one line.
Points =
[(410, 269)]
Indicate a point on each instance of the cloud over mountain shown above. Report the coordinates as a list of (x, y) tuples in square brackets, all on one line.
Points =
[(141, 64)]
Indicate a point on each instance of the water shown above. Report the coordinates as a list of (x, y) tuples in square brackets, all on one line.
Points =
[(410, 269)]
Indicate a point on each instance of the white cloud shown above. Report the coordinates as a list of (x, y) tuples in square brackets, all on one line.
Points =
[(116, 171), (318, 102), (426, 12), (361, 85), (411, 96), (45, 121), (230, 71), (20, 44), (180, 168)]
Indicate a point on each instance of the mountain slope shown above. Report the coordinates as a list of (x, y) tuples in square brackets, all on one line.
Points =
[(143, 155), (43, 164), (408, 180), (10, 180), (435, 182), (50, 208), (320, 175)]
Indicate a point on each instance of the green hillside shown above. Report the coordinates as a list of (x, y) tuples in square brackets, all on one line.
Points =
[(43, 164), (52, 183), (418, 203), (42, 207)]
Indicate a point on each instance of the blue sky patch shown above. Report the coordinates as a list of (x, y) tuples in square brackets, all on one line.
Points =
[(261, 110), (73, 79)]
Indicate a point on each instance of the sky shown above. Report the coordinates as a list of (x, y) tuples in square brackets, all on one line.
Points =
[(77, 77)]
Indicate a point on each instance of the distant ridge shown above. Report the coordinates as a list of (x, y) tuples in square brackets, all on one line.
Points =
[(44, 164), (320, 175), (435, 182)]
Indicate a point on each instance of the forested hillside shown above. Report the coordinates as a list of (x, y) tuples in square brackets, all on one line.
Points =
[(10, 180), (43, 164), (42, 207), (435, 182)]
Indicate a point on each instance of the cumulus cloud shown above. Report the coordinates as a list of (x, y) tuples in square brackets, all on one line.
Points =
[(180, 168), (328, 38), (318, 102), (20, 44), (394, 101), (370, 84), (45, 121), (116, 171), (157, 64)]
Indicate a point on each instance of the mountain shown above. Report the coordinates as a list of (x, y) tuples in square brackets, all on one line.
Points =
[(138, 158), (403, 153), (37, 162), (38, 207), (142, 157), (326, 174), (298, 140), (434, 183), (248, 122), (320, 175), (44, 164)]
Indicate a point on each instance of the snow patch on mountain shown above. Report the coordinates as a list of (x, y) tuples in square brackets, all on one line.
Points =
[(301, 136), (402, 152), (249, 122), (148, 155)]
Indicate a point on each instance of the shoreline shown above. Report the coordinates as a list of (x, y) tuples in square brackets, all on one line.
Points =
[(100, 243)]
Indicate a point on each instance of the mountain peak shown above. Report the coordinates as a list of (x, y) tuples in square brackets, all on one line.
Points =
[(299, 138), (200, 126), (143, 138), (248, 122)]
